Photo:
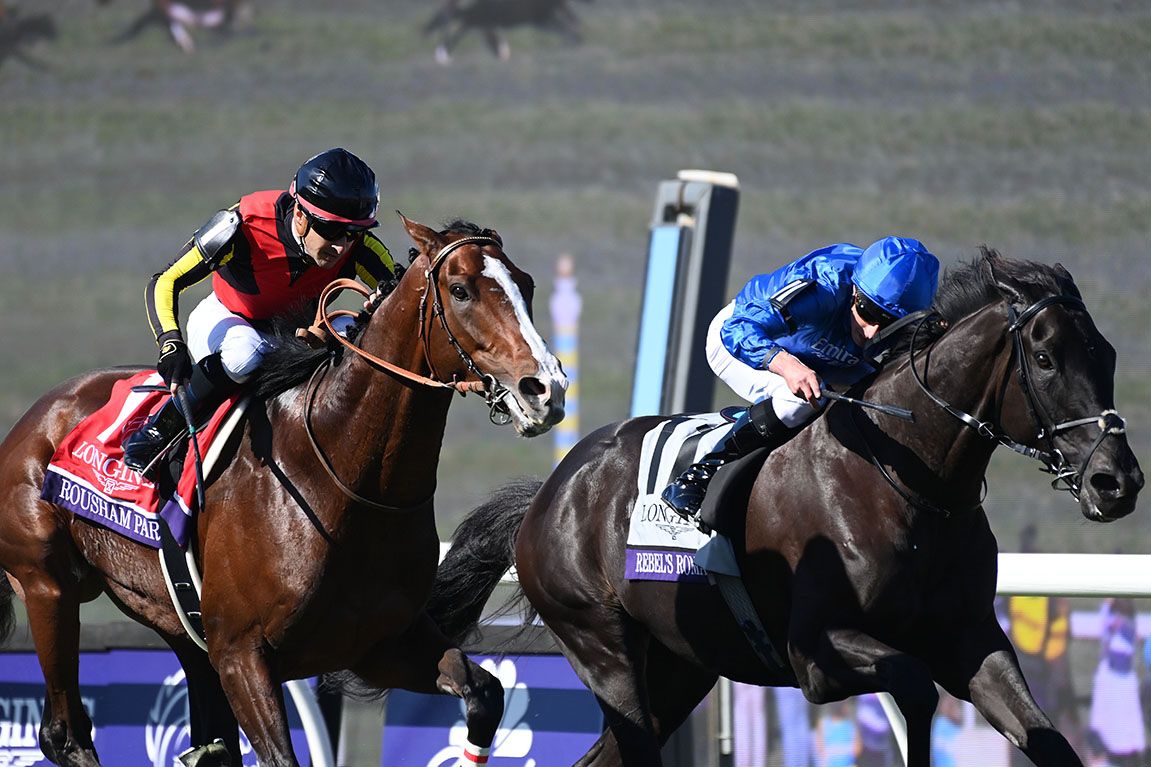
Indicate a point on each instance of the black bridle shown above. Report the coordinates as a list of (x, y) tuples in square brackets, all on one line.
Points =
[(1053, 460)]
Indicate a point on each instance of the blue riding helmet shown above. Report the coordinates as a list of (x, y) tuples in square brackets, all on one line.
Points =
[(899, 274)]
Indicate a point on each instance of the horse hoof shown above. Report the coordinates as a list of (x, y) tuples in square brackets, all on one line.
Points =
[(215, 754)]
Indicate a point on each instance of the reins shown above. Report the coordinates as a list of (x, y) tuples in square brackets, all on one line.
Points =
[(494, 392)]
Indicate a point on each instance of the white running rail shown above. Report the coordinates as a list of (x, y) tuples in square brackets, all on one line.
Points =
[(1065, 575)]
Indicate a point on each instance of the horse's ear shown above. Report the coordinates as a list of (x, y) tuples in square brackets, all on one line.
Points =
[(1066, 281), (996, 269), (494, 235), (425, 237)]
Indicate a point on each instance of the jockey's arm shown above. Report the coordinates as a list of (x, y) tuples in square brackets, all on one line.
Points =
[(374, 262), (765, 313), (750, 332), (210, 247)]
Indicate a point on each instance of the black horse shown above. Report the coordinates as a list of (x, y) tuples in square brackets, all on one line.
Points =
[(865, 548), (20, 31), (458, 17)]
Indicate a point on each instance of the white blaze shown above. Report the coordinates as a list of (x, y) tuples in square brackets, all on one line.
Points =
[(549, 365)]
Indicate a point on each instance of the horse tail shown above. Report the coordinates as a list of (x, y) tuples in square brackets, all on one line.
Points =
[(7, 610), (483, 550)]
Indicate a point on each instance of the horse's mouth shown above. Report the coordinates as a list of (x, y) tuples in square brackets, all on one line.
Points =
[(533, 421), (1104, 511)]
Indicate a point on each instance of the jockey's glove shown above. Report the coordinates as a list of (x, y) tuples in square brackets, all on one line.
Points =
[(175, 362)]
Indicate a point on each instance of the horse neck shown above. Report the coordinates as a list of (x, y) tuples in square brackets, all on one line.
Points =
[(968, 368), (389, 430)]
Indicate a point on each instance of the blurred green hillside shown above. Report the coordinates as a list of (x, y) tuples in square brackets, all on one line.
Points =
[(1021, 125)]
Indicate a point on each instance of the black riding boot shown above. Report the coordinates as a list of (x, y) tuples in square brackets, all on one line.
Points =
[(757, 427), (208, 387)]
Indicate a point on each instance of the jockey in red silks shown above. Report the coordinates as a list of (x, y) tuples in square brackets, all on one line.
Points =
[(789, 330), (267, 252)]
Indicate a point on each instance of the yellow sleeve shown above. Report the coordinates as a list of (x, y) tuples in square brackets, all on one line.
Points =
[(162, 294), (374, 262)]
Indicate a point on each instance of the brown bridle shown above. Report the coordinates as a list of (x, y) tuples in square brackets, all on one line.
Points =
[(322, 328)]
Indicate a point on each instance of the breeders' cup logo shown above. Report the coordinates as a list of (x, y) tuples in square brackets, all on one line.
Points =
[(513, 741), (167, 734), (19, 727), (112, 474)]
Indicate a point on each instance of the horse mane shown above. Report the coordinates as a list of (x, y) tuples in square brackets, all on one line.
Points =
[(970, 286), (292, 361)]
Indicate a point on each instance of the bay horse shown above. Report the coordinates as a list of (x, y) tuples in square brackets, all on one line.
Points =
[(304, 572), (865, 548)]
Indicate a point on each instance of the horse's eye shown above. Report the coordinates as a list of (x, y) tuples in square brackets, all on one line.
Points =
[(1043, 360), (459, 292)]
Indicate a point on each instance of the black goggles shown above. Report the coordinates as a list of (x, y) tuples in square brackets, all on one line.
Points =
[(334, 231), (871, 313)]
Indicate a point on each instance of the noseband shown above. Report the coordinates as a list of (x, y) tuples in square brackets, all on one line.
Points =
[(1053, 460)]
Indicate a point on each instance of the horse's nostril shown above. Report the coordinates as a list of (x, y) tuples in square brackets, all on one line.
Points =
[(1105, 484), (532, 387)]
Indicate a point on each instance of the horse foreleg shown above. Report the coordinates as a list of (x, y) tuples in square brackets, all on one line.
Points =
[(497, 44), (257, 700), (849, 662), (448, 43), (983, 669), (54, 618), (424, 661)]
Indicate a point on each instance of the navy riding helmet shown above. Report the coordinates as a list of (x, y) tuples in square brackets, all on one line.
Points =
[(898, 274), (337, 186)]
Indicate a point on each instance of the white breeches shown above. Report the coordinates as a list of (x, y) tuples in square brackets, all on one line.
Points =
[(213, 329), (752, 384)]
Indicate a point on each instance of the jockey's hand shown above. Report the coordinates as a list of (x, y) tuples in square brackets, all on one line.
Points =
[(175, 363), (374, 298), (801, 380)]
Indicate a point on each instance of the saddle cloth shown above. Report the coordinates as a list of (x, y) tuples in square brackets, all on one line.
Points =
[(661, 544), (87, 475)]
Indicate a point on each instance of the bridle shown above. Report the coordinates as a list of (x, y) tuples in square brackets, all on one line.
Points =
[(493, 391), (1053, 460)]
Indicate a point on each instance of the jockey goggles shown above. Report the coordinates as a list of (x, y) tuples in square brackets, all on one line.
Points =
[(870, 312), (334, 231)]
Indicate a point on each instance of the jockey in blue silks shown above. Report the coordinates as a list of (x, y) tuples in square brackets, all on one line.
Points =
[(789, 331)]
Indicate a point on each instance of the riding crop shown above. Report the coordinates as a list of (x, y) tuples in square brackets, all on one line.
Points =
[(891, 410)]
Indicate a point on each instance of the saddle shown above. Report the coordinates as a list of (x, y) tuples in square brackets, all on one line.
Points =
[(677, 552), (725, 503)]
